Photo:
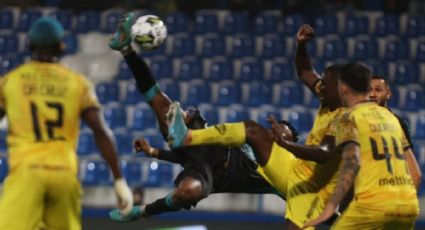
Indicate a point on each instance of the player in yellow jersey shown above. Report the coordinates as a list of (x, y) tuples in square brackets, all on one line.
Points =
[(373, 146), (44, 102)]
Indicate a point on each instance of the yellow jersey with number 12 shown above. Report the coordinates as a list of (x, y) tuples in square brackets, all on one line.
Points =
[(43, 104)]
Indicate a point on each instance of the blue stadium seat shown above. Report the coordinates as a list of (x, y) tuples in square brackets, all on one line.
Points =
[(213, 45), (171, 89), (397, 49), (155, 139), (394, 101), (236, 23), (266, 23), (115, 116), (107, 92), (161, 67), (96, 173), (220, 69), (387, 25), (291, 24), (71, 42), (264, 113), (124, 73), (190, 68), (406, 73), (334, 48), (6, 19), (183, 45), (198, 92), (8, 62), (326, 24), (86, 144), (413, 100), (365, 49), (236, 114), (273, 46), (290, 95), (420, 51), (3, 141), (64, 17), (251, 70), (133, 96), (356, 25), (143, 118), (159, 175), (242, 46), (420, 127), (229, 93), (124, 141), (9, 44), (4, 168), (177, 22), (26, 18), (282, 71), (378, 67), (132, 171), (415, 26), (314, 102), (302, 121), (87, 21), (211, 114), (258, 94), (206, 22), (111, 21)]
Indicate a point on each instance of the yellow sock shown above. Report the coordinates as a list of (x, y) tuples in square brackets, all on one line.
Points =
[(221, 134)]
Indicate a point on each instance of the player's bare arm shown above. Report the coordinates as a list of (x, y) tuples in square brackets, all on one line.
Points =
[(305, 70), (142, 145), (319, 153), (349, 169), (413, 166)]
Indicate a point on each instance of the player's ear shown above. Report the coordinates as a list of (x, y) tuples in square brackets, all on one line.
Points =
[(388, 96)]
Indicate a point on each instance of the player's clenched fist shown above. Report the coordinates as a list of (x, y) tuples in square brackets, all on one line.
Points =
[(305, 33)]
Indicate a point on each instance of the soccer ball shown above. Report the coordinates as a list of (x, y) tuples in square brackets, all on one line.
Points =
[(148, 32)]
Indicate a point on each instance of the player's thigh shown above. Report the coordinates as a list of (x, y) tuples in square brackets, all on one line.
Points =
[(278, 168), (63, 210), (22, 200)]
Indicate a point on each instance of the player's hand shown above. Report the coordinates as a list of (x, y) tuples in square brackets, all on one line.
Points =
[(125, 197), (305, 33), (278, 131), (326, 214), (142, 145)]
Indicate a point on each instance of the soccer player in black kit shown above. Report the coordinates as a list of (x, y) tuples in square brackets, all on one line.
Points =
[(207, 169)]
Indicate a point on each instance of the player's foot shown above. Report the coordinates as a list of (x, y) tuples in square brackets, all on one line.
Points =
[(177, 130), (122, 36), (135, 213)]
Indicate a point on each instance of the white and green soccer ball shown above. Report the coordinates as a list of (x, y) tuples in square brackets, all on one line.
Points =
[(149, 32)]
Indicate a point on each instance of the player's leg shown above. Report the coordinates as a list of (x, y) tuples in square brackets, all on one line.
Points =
[(188, 192), (62, 209), (22, 200), (226, 134), (146, 83)]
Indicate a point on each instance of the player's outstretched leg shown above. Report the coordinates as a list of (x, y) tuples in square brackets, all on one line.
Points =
[(122, 36)]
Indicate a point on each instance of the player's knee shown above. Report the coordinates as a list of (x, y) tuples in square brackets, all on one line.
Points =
[(189, 193)]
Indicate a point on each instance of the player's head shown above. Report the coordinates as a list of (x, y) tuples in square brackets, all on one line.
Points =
[(289, 131), (355, 80), (329, 93), (195, 120), (379, 90), (45, 37)]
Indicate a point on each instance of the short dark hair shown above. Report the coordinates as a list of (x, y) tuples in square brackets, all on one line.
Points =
[(357, 76), (335, 69), (292, 128)]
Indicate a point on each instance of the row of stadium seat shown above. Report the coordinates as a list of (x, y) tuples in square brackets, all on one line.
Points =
[(227, 22), (245, 45)]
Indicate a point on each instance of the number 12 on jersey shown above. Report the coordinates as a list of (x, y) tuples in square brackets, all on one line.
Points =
[(49, 125)]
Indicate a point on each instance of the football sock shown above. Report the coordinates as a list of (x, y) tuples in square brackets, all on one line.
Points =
[(143, 76), (222, 134), (165, 204)]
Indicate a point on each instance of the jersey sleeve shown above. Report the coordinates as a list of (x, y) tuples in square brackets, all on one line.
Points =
[(89, 99), (317, 87), (406, 131), (346, 130)]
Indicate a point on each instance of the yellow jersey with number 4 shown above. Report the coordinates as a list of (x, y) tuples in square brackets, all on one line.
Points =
[(383, 177), (43, 104)]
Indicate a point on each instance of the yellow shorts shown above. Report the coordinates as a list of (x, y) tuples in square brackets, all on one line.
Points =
[(386, 216), (35, 195), (303, 201)]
